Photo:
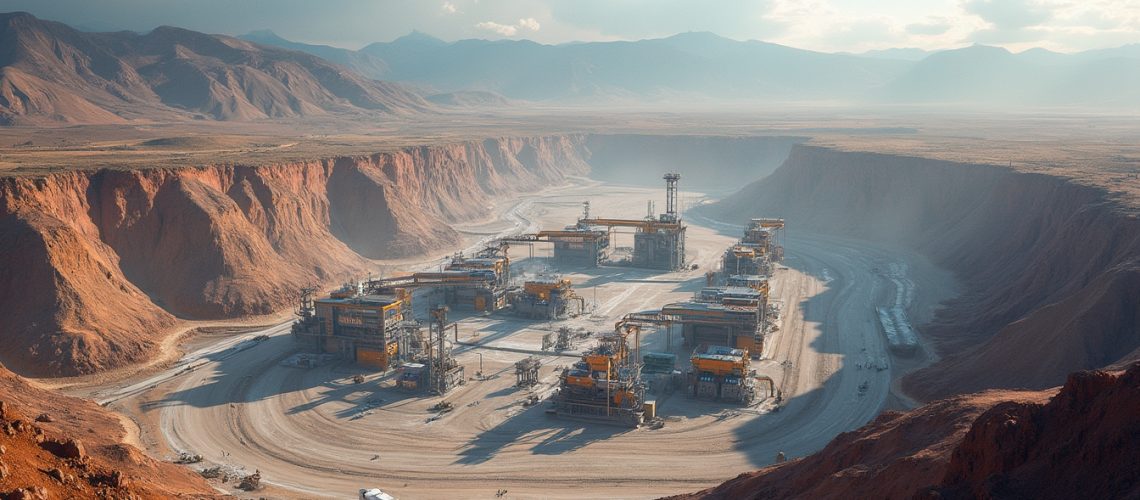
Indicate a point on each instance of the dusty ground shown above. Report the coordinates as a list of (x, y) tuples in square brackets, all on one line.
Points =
[(314, 433)]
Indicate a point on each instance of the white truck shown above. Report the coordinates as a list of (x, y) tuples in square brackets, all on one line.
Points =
[(375, 494)]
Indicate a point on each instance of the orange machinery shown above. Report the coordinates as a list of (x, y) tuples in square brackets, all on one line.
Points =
[(722, 373), (605, 385)]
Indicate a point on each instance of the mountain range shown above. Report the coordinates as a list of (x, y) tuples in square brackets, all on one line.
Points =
[(52, 73), (704, 65)]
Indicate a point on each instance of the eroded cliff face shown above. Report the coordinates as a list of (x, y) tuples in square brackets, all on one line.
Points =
[(1050, 268), (99, 263)]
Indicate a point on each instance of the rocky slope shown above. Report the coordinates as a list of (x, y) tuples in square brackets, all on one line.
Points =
[(52, 73), (54, 446), (1051, 268), (1076, 442), (98, 263)]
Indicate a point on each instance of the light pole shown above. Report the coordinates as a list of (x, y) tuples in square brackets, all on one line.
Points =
[(480, 365)]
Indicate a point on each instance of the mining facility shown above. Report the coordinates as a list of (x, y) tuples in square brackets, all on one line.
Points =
[(606, 384), (547, 298), (735, 309), (723, 325), (658, 240)]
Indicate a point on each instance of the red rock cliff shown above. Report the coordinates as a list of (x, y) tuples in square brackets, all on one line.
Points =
[(98, 263)]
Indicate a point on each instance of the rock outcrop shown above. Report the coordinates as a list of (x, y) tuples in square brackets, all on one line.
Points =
[(99, 263), (1075, 442), (80, 454), (1050, 267)]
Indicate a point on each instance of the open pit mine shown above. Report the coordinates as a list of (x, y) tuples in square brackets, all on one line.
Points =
[(234, 269)]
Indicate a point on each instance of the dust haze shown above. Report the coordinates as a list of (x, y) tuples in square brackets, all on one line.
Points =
[(678, 265)]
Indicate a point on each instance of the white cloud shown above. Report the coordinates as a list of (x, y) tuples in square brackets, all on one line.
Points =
[(448, 8), (1009, 14), (502, 29), (529, 23)]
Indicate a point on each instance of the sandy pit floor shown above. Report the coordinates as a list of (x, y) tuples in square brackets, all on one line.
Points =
[(315, 434)]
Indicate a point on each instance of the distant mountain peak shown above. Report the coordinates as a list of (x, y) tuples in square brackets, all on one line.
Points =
[(6, 16), (263, 34), (419, 37), (698, 35)]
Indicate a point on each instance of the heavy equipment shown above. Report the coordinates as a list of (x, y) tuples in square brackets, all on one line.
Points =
[(722, 373), (606, 384)]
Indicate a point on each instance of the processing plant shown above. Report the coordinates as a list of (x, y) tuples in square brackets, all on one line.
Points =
[(547, 298), (735, 309), (436, 370), (367, 328), (376, 330), (658, 240), (726, 315), (754, 254), (606, 384)]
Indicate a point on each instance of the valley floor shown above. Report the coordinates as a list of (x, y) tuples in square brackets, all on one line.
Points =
[(314, 433)]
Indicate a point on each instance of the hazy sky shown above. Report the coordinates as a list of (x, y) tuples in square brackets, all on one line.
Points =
[(826, 25)]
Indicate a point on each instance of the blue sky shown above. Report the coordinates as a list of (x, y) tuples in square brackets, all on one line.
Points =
[(825, 25)]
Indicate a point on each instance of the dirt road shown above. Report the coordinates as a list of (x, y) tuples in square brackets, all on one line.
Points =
[(314, 433)]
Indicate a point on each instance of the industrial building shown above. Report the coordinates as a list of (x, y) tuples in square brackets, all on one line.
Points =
[(754, 254), (376, 330), (479, 283), (658, 240), (730, 315), (366, 328), (489, 296), (547, 298), (606, 384)]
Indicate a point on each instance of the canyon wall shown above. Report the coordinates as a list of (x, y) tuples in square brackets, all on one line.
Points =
[(1074, 442), (1050, 268), (98, 264), (642, 159)]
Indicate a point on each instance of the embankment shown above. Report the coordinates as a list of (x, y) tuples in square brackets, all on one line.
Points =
[(98, 264), (1050, 268)]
